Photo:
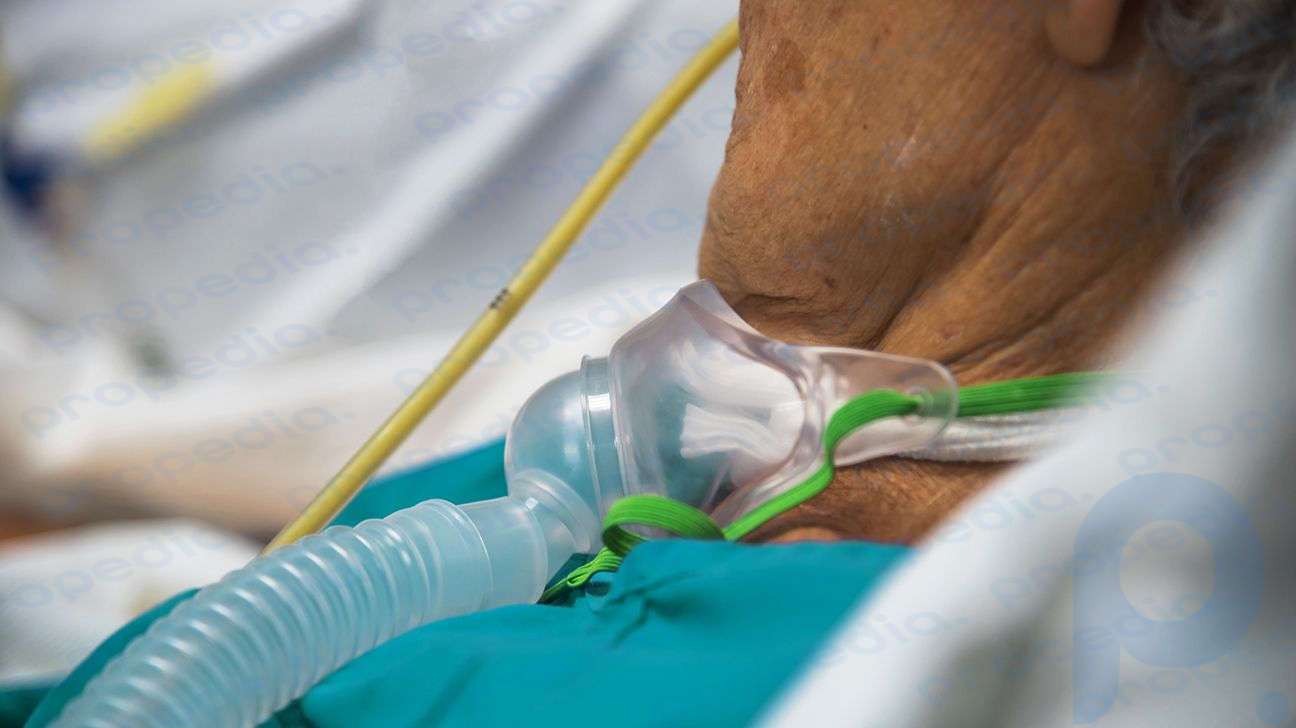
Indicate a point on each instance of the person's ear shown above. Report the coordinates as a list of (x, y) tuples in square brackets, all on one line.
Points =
[(1082, 31)]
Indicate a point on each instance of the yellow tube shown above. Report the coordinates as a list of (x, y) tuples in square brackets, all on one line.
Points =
[(357, 471)]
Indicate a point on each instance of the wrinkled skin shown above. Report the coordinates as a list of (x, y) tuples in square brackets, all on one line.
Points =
[(845, 179)]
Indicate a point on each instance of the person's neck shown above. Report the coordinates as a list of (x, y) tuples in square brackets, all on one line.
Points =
[(1045, 296), (1050, 281), (1058, 253), (1047, 281)]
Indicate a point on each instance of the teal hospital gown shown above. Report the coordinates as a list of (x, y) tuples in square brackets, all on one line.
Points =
[(687, 633)]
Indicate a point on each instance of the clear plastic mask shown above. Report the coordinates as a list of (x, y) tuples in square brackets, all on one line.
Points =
[(695, 405)]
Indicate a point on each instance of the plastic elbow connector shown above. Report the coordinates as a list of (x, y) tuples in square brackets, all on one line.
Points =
[(250, 644)]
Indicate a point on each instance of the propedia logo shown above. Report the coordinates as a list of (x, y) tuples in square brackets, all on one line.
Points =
[(1111, 625)]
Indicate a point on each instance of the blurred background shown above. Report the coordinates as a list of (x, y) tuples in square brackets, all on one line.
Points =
[(235, 234)]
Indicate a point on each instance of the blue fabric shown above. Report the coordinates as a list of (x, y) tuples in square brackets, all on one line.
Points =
[(685, 634), (18, 701), (25, 178)]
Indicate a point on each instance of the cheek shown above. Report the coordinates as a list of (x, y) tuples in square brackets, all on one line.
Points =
[(841, 170)]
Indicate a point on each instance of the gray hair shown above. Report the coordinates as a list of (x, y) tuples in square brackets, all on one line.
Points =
[(1234, 64)]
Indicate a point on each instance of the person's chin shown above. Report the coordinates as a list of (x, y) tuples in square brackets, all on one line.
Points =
[(804, 535)]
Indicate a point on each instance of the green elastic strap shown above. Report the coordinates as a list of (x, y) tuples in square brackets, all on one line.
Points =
[(681, 519), (657, 512)]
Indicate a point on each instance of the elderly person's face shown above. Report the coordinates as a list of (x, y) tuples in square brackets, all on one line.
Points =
[(981, 182)]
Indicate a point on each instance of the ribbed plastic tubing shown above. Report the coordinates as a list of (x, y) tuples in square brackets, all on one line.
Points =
[(248, 645)]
